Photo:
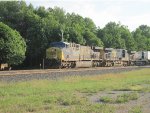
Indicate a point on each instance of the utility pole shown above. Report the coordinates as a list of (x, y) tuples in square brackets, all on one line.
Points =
[(43, 63), (62, 37)]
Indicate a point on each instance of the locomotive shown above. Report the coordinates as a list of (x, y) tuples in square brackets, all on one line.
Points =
[(71, 55), (140, 57)]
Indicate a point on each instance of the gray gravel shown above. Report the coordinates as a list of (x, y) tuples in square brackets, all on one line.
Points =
[(59, 74)]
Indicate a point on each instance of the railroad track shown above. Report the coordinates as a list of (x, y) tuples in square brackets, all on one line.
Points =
[(25, 75), (43, 71)]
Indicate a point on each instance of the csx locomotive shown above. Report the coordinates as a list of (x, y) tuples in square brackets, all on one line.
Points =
[(70, 55), (140, 58)]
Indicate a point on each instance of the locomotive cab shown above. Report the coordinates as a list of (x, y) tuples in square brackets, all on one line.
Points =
[(54, 54)]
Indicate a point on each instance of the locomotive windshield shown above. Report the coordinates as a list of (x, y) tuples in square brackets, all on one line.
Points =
[(59, 44)]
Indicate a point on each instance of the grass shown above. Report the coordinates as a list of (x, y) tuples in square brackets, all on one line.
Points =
[(136, 109), (106, 99), (70, 93), (125, 97)]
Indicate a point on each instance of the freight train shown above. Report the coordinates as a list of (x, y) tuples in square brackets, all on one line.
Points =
[(71, 55)]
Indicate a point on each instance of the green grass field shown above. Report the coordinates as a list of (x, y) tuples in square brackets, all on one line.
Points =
[(71, 94)]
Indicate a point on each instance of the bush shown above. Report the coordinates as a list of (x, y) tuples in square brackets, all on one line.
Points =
[(12, 46)]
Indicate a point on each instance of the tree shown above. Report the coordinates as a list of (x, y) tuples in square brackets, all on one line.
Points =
[(12, 13), (90, 25), (92, 40), (128, 38), (12, 46), (111, 36), (142, 37), (116, 36), (36, 38), (41, 11), (75, 28)]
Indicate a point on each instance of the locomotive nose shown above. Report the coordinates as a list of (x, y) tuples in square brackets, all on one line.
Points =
[(54, 53)]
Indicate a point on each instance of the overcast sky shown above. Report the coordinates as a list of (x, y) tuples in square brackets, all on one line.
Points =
[(131, 13)]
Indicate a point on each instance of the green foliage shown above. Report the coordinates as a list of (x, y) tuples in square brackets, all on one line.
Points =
[(36, 38), (128, 38), (91, 39), (12, 46), (116, 36), (142, 37), (111, 36)]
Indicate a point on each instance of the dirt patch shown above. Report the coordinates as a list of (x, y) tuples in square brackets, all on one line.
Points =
[(141, 103)]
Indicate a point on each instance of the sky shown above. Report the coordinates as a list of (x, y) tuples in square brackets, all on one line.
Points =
[(131, 13)]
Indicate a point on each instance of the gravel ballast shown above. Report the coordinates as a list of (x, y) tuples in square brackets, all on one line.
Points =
[(58, 74)]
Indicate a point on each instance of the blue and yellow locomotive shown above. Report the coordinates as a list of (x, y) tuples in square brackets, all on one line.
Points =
[(70, 55)]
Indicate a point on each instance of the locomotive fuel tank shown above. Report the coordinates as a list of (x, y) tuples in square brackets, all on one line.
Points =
[(84, 64)]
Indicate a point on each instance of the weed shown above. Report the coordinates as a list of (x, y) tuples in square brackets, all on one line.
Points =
[(71, 100), (133, 96), (136, 109), (106, 99), (126, 97), (122, 98), (48, 100)]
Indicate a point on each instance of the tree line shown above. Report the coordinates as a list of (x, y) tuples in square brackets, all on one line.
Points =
[(38, 27)]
